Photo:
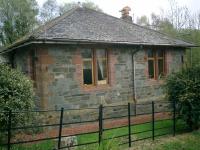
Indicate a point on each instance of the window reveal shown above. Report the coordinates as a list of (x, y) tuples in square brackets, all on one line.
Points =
[(95, 69)]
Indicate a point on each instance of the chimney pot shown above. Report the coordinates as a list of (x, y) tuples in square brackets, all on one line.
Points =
[(125, 14)]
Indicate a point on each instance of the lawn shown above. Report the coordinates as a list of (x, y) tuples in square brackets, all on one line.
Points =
[(138, 132)]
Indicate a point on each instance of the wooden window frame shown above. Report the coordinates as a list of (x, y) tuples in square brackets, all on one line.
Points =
[(155, 59), (95, 71)]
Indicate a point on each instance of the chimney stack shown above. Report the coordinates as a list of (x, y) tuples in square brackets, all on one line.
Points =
[(125, 14)]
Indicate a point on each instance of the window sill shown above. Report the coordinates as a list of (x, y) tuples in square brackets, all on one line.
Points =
[(157, 81)]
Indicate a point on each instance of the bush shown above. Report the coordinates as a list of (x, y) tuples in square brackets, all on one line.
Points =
[(184, 88), (16, 94)]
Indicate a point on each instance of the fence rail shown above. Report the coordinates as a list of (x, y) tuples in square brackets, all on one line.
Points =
[(101, 127)]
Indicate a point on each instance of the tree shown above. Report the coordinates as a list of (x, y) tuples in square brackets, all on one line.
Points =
[(155, 21), (50, 10), (17, 18), (143, 21), (87, 4), (179, 16)]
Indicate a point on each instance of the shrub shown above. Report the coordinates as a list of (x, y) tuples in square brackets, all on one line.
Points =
[(184, 88), (16, 93)]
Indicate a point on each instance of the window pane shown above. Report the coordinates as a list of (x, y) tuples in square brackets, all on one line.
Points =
[(101, 66), (151, 68), (160, 68), (87, 67), (150, 53), (160, 53)]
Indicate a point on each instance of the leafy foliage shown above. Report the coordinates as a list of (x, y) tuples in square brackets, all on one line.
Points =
[(49, 10), (87, 4), (16, 93), (183, 88), (17, 18)]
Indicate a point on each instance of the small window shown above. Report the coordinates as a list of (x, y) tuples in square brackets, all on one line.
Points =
[(156, 63), (95, 68)]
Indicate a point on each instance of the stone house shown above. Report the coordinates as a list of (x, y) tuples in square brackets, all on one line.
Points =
[(85, 58)]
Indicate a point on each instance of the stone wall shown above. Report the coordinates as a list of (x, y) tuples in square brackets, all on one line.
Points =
[(59, 79)]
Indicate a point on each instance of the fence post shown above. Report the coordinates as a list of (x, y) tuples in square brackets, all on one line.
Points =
[(129, 124), (100, 123), (9, 129), (174, 118), (135, 109), (153, 121), (60, 128)]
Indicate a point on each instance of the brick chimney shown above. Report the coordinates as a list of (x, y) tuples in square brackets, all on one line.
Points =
[(125, 14)]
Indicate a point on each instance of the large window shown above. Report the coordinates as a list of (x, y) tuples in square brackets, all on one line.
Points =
[(156, 63), (95, 68)]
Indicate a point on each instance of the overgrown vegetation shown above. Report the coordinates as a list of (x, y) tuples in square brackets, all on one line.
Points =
[(16, 94), (183, 88)]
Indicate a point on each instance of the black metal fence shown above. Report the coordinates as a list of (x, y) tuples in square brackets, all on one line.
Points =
[(125, 117)]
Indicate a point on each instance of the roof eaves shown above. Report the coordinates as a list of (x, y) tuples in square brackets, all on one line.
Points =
[(84, 41)]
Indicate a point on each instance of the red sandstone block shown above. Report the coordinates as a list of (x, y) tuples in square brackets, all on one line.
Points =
[(46, 60)]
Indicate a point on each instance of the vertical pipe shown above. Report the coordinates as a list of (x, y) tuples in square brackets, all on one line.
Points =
[(133, 79), (129, 124), (60, 128)]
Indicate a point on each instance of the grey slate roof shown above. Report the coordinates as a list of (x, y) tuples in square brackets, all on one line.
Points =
[(87, 25)]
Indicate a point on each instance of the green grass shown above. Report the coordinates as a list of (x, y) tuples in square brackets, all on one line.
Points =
[(87, 138), (188, 141)]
